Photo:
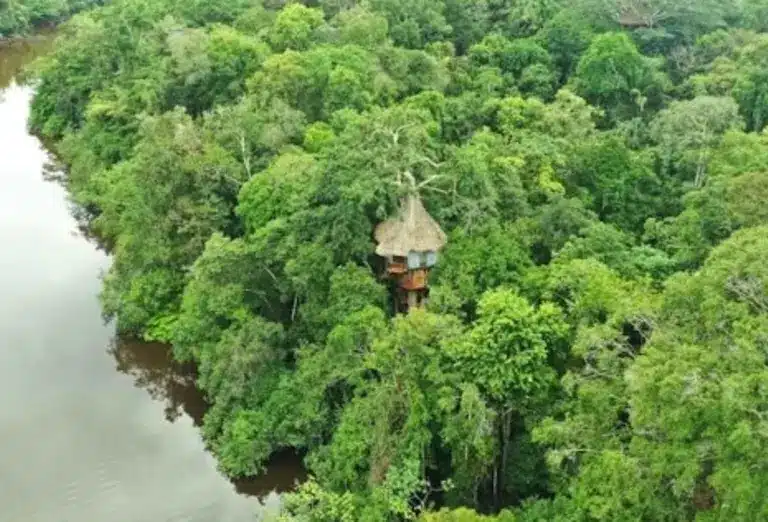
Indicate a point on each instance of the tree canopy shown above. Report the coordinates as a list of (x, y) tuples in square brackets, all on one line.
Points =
[(593, 345)]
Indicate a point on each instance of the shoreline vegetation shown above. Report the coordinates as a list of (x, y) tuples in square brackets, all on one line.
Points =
[(594, 345), (19, 18)]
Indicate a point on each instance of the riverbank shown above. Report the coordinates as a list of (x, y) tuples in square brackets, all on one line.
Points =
[(19, 20), (120, 420), (152, 365)]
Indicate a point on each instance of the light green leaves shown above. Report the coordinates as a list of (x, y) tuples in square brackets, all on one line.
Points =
[(613, 75), (506, 352), (294, 26)]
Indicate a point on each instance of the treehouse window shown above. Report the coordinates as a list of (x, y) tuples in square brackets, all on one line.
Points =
[(414, 260)]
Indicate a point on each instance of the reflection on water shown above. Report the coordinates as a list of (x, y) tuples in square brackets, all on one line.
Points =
[(152, 367), (283, 473), (17, 53), (154, 370)]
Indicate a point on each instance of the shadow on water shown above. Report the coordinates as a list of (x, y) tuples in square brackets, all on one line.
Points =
[(152, 367), (154, 370)]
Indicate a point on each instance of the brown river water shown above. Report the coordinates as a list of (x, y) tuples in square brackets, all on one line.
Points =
[(92, 429)]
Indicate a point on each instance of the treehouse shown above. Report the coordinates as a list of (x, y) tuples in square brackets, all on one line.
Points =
[(410, 243)]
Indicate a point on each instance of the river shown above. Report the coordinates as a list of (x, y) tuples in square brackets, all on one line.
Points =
[(91, 429)]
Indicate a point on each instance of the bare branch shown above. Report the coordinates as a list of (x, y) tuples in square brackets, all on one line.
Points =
[(430, 162)]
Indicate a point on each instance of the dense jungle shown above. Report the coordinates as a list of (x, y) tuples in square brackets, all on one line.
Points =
[(595, 342)]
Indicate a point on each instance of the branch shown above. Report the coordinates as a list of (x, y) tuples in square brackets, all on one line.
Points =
[(246, 158), (272, 274), (431, 162), (428, 181), (396, 133)]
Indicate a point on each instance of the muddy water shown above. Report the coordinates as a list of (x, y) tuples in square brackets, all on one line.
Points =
[(91, 429)]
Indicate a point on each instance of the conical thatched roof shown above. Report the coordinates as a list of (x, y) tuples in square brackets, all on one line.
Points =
[(413, 230)]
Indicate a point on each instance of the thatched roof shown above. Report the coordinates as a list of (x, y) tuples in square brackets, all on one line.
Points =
[(413, 230)]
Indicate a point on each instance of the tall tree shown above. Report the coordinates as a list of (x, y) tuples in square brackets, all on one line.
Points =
[(615, 76), (689, 131)]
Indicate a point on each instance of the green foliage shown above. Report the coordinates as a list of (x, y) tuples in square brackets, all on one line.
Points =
[(462, 515), (710, 216), (210, 68), (688, 131), (293, 27), (159, 208), (18, 17), (479, 261), (507, 350), (311, 503), (566, 36), (749, 89), (613, 75), (618, 250), (413, 23), (359, 26), (522, 63), (617, 183), (592, 346)]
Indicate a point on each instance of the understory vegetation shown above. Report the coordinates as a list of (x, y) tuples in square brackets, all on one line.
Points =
[(595, 344)]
